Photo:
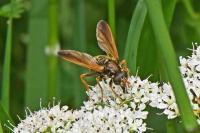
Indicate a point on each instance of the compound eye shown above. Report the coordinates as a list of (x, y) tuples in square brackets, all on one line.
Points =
[(111, 72)]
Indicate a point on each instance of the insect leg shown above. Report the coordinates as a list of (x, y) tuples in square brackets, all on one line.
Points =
[(99, 79), (82, 77), (123, 65), (111, 87)]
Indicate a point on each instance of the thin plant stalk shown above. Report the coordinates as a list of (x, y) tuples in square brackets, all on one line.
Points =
[(111, 15), (5, 99), (165, 45), (52, 47), (79, 41)]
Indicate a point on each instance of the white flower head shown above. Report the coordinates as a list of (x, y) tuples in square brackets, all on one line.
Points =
[(114, 109)]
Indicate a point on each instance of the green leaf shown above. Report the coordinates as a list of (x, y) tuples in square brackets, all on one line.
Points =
[(134, 34), (168, 10), (13, 9), (165, 45), (149, 59)]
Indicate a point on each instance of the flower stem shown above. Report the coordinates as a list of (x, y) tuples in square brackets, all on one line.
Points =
[(5, 98), (111, 15), (52, 46)]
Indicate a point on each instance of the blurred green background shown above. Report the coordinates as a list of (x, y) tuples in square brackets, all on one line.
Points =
[(71, 24)]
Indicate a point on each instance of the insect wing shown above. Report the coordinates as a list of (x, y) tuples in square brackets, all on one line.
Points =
[(105, 39), (82, 59)]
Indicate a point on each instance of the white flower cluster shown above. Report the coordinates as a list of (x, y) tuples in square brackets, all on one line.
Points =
[(53, 119), (116, 110), (190, 69), (92, 117)]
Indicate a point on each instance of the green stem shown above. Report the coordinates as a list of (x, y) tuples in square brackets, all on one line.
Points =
[(79, 40), (52, 46), (134, 33), (6, 68), (165, 46), (111, 15)]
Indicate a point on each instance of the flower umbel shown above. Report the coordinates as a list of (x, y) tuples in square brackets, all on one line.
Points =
[(126, 113)]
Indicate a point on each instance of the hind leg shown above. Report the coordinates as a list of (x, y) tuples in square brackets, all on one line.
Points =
[(83, 76)]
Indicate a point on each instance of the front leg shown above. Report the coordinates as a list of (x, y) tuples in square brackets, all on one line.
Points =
[(124, 67), (98, 79), (83, 76), (123, 63), (111, 87)]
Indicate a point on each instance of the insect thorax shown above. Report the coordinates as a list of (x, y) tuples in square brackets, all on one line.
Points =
[(102, 59), (110, 66)]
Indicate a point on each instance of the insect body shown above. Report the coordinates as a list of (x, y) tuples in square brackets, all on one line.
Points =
[(112, 69), (102, 65)]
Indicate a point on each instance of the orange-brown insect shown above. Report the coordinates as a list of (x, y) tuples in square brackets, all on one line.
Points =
[(101, 65)]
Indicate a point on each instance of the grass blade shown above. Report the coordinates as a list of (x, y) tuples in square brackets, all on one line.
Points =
[(168, 10), (36, 80), (134, 33), (148, 57), (53, 45), (111, 15), (165, 46)]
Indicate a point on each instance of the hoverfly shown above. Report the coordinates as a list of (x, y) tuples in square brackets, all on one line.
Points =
[(102, 66)]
